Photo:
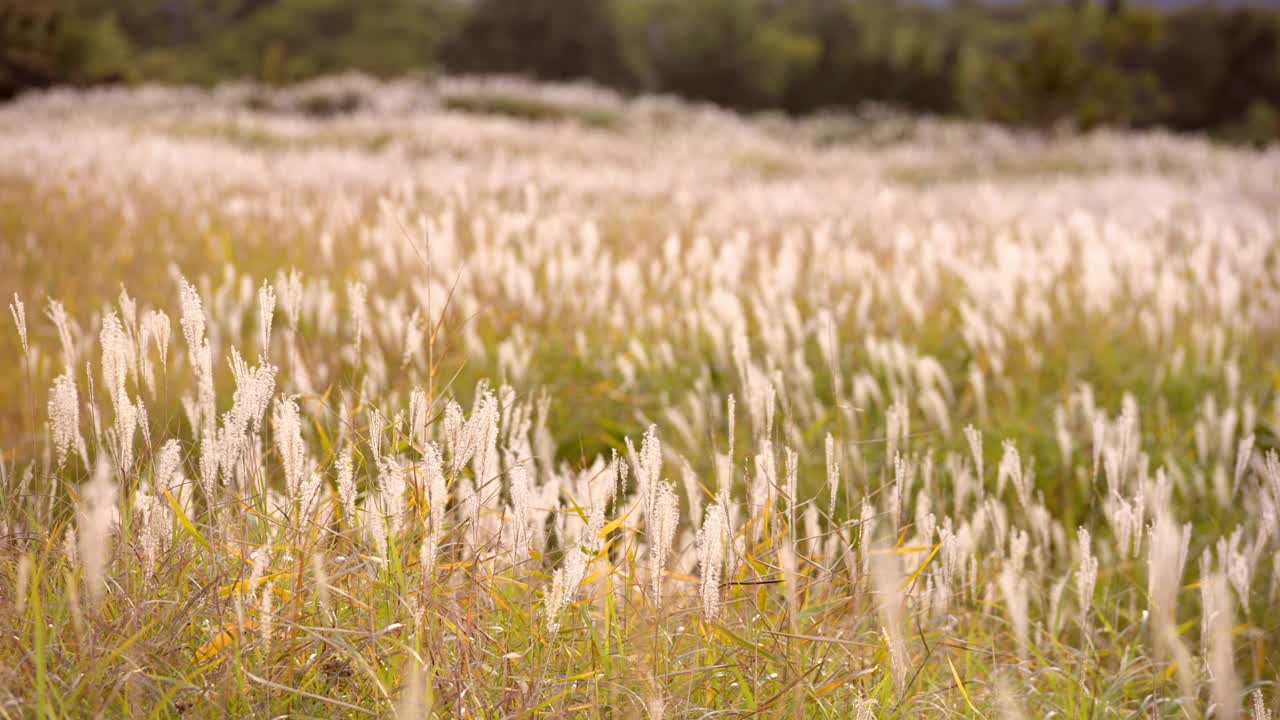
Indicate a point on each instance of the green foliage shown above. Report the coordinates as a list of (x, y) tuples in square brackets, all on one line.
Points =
[(1084, 64), (1259, 126), (726, 51), (552, 39), (530, 108), (39, 46), (294, 39), (1084, 68), (1216, 65), (95, 49)]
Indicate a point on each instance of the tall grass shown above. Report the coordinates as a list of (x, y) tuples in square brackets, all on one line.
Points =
[(499, 418)]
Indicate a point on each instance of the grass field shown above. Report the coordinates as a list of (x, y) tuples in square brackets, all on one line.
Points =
[(487, 399)]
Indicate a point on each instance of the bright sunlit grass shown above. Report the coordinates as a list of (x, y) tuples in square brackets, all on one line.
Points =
[(422, 411)]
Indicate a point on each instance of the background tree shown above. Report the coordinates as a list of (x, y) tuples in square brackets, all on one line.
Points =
[(551, 39), (1032, 63)]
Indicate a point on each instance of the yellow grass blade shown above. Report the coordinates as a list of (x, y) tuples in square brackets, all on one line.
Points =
[(963, 691), (911, 580), (221, 642), (244, 586), (186, 521), (613, 524)]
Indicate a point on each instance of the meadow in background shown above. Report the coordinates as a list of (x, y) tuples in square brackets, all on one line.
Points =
[(501, 399), (1186, 65)]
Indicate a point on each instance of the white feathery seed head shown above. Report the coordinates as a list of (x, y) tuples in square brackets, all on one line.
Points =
[(419, 418), (377, 424), (833, 474), (144, 423), (391, 490), (1236, 563), (1258, 706), (117, 356), (156, 328), (66, 332), (455, 436), (375, 525), (1271, 472), (731, 412), (260, 558), (22, 584), (254, 388), (291, 293), (1086, 574), (309, 496), (286, 421), (96, 515), (321, 577), (1014, 589), (1166, 561), (711, 551), (520, 497), (1099, 441), (789, 564), (437, 486), (266, 617), (357, 299), (564, 586), (192, 316), (19, 312), (167, 464), (1062, 432), (692, 489), (1243, 454), (1011, 470), (346, 484), (886, 581), (415, 691), (662, 525), (125, 427), (974, 437), (1224, 684), (791, 466), (649, 466), (427, 554), (266, 311), (153, 527), (64, 415), (210, 457)]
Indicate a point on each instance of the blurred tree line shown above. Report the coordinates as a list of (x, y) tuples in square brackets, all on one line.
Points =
[(1085, 62)]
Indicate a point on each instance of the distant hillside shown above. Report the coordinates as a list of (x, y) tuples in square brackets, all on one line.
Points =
[(1180, 64)]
